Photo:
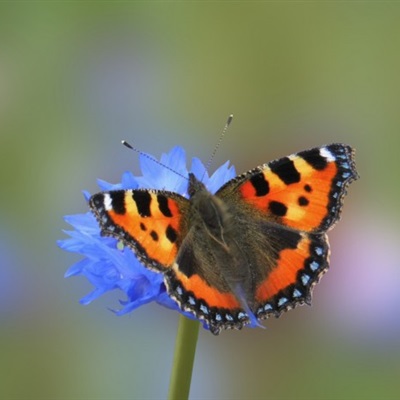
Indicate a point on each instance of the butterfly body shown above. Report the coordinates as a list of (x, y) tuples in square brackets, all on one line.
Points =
[(253, 249)]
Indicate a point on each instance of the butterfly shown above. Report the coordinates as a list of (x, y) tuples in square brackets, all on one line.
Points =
[(254, 249)]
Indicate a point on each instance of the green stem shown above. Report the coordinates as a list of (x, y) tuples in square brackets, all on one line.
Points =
[(185, 349)]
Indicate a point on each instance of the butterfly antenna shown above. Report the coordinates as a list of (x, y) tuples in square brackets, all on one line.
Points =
[(221, 136), (129, 146)]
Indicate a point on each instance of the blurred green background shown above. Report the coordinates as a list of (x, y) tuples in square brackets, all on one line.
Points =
[(76, 77)]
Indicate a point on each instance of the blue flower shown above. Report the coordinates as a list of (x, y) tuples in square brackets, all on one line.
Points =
[(109, 266)]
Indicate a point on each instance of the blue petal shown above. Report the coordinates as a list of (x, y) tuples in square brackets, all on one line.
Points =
[(103, 185), (86, 195), (129, 181), (199, 170), (157, 176), (222, 175), (77, 268)]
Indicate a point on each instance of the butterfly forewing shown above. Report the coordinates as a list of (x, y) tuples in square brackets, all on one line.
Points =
[(151, 222), (303, 191)]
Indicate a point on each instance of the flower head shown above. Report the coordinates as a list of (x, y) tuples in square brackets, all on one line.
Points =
[(109, 266)]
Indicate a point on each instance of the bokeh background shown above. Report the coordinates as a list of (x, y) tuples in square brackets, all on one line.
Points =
[(76, 77)]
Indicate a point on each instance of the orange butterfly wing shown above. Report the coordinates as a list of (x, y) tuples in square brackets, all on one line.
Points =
[(151, 222), (303, 191)]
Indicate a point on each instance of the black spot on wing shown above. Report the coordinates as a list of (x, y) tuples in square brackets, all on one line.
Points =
[(314, 158), (260, 184), (277, 208), (171, 234), (307, 188), (154, 235), (143, 226), (142, 200), (286, 170), (118, 201), (303, 201), (163, 205)]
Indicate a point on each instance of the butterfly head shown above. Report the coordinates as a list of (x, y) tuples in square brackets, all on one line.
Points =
[(195, 185)]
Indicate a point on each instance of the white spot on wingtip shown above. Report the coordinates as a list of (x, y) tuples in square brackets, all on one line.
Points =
[(327, 154), (107, 202)]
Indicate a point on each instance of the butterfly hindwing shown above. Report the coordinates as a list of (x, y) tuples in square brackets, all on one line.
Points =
[(291, 279), (196, 283), (152, 223)]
